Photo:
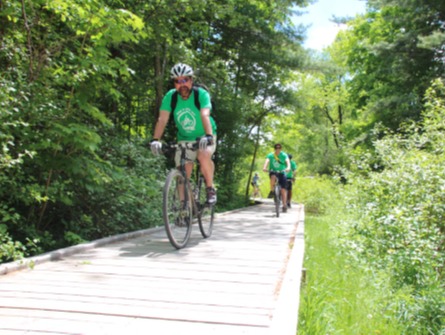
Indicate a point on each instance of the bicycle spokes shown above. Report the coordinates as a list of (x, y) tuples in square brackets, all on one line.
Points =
[(277, 198), (177, 210), (205, 211)]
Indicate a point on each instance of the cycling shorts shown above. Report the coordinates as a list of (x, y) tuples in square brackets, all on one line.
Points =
[(191, 155), (289, 184), (282, 180)]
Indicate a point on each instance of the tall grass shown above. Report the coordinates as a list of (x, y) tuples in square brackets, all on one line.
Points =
[(339, 296)]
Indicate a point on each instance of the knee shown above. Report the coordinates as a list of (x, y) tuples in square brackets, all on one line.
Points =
[(204, 156)]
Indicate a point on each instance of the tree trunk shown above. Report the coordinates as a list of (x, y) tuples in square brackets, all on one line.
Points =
[(257, 144), (159, 72)]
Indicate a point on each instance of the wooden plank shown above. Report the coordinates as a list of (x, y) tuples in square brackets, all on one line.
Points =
[(230, 283), (122, 283), (44, 322)]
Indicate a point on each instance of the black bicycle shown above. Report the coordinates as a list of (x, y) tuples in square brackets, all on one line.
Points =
[(184, 200), (277, 193)]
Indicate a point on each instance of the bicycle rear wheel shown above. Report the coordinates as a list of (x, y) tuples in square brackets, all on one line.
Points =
[(205, 212), (276, 198), (177, 209)]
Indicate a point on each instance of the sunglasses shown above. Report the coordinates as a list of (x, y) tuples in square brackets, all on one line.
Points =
[(182, 81), (277, 148)]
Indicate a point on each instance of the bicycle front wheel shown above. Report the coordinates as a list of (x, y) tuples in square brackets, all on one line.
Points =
[(277, 200), (205, 212), (177, 209)]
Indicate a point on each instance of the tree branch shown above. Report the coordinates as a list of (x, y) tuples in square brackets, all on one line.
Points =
[(334, 126), (28, 33)]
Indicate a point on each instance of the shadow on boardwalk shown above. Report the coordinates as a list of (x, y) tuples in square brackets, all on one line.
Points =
[(242, 280)]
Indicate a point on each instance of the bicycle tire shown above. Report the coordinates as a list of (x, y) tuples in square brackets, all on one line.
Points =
[(206, 212), (177, 212), (277, 200)]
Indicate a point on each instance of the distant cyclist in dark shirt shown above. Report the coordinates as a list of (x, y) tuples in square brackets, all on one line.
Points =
[(290, 180), (255, 185)]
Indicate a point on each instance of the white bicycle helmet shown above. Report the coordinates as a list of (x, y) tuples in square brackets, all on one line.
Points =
[(181, 70)]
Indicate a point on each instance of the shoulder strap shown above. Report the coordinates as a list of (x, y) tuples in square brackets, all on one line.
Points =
[(196, 96), (174, 101)]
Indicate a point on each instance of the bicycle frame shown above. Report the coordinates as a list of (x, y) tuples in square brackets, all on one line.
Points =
[(191, 191), (189, 195), (277, 192)]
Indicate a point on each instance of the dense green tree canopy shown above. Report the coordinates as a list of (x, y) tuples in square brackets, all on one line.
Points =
[(393, 53)]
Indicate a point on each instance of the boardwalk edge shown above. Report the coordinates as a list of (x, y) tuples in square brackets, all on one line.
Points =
[(55, 255), (285, 317)]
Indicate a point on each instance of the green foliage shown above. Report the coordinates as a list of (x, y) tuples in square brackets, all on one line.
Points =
[(318, 194), (323, 119), (56, 61), (73, 239), (400, 214), (9, 250), (383, 49)]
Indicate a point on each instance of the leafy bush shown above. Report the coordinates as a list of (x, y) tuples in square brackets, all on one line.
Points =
[(125, 197), (318, 194), (9, 250), (129, 200), (400, 223)]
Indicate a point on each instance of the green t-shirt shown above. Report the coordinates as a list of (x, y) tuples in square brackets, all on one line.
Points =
[(187, 117), (277, 163), (293, 167)]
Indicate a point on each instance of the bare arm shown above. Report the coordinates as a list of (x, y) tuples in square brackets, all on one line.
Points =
[(287, 164), (266, 163), (160, 125), (205, 117)]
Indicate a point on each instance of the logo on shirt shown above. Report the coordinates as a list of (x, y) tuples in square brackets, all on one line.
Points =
[(276, 164), (186, 119)]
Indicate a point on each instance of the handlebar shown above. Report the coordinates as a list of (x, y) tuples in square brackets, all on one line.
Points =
[(168, 147), (185, 145)]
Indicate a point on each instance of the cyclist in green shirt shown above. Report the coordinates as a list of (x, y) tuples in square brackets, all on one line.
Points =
[(290, 180), (191, 122), (277, 164)]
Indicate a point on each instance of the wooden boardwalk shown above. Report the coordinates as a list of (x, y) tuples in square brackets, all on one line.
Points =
[(243, 280)]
